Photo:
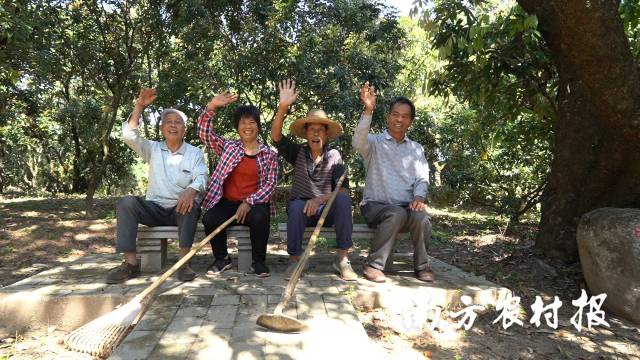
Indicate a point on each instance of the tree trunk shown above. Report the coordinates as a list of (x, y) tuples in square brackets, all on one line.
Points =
[(78, 182), (597, 129)]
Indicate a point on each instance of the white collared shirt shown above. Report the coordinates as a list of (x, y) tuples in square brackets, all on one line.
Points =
[(170, 173)]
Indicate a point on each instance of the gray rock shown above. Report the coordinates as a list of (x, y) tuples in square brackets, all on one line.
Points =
[(609, 247)]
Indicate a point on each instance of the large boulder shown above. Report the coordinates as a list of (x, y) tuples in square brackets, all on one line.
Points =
[(609, 247)]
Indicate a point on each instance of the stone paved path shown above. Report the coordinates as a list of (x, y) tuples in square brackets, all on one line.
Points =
[(215, 317)]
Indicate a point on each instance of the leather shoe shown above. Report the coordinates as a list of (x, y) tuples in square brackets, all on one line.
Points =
[(373, 274), (425, 275)]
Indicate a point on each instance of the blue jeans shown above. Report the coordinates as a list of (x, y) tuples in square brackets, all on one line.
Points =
[(339, 216)]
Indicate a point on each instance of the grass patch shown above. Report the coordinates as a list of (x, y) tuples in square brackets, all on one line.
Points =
[(439, 238)]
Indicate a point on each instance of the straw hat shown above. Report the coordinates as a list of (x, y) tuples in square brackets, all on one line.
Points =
[(316, 116)]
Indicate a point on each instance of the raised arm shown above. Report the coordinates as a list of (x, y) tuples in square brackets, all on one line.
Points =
[(360, 139), (288, 96), (130, 134), (205, 124)]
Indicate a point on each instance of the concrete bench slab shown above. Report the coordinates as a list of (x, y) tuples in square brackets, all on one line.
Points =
[(152, 245), (152, 242)]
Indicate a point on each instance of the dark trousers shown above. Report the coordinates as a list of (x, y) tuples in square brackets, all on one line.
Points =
[(134, 210), (339, 215), (257, 219), (389, 220)]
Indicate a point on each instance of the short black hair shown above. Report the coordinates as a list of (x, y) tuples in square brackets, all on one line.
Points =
[(246, 111), (403, 100)]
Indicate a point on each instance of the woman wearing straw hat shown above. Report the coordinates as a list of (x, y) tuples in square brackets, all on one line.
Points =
[(241, 184), (316, 171)]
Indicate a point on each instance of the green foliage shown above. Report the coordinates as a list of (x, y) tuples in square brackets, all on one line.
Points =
[(329, 48), (494, 132), (630, 14), (82, 64)]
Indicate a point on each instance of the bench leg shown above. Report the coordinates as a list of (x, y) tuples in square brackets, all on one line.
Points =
[(153, 256), (244, 248), (150, 262)]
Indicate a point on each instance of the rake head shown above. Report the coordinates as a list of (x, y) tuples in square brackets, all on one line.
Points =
[(101, 336), (283, 323)]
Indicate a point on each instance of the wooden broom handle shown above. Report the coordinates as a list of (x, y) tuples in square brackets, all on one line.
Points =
[(295, 276), (184, 259)]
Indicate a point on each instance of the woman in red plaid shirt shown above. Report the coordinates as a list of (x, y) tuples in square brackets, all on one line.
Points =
[(241, 184)]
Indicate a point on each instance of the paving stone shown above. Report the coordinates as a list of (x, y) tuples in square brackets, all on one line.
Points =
[(172, 350), (167, 300), (196, 301), (321, 282), (336, 299), (210, 289), (318, 290), (247, 350), (157, 318), (254, 301), (345, 313), (221, 316), (310, 306), (274, 299), (283, 351), (226, 300), (249, 289), (211, 343), (138, 345)]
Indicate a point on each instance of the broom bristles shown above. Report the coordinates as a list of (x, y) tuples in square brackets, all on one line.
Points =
[(100, 336)]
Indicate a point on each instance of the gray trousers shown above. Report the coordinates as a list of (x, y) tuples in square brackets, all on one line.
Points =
[(134, 210), (389, 220)]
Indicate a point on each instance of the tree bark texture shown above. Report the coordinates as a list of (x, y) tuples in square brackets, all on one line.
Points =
[(597, 132)]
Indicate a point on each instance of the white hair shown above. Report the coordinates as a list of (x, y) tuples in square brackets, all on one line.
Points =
[(180, 114)]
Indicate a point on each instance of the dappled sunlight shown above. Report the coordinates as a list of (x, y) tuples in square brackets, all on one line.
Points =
[(49, 231)]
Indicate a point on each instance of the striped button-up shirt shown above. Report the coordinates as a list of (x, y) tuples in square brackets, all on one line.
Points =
[(396, 171), (231, 152), (310, 179)]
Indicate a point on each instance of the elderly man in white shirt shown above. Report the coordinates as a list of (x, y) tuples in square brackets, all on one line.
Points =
[(177, 178)]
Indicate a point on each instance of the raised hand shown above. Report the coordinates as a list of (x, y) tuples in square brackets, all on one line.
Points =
[(288, 93), (368, 97), (146, 97), (221, 100)]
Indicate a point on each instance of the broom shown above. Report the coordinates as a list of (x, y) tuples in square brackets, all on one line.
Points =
[(278, 321), (101, 336)]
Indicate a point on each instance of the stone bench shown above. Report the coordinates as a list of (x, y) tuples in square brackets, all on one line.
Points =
[(152, 245), (360, 231), (152, 242)]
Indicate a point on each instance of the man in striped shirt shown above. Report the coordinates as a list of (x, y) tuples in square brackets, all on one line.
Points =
[(317, 169), (395, 186)]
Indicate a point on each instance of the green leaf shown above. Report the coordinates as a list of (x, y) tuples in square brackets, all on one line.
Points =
[(530, 22)]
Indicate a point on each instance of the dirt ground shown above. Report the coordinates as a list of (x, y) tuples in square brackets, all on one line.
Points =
[(36, 234), (482, 245)]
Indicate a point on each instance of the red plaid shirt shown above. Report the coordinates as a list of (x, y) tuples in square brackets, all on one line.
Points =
[(231, 152)]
